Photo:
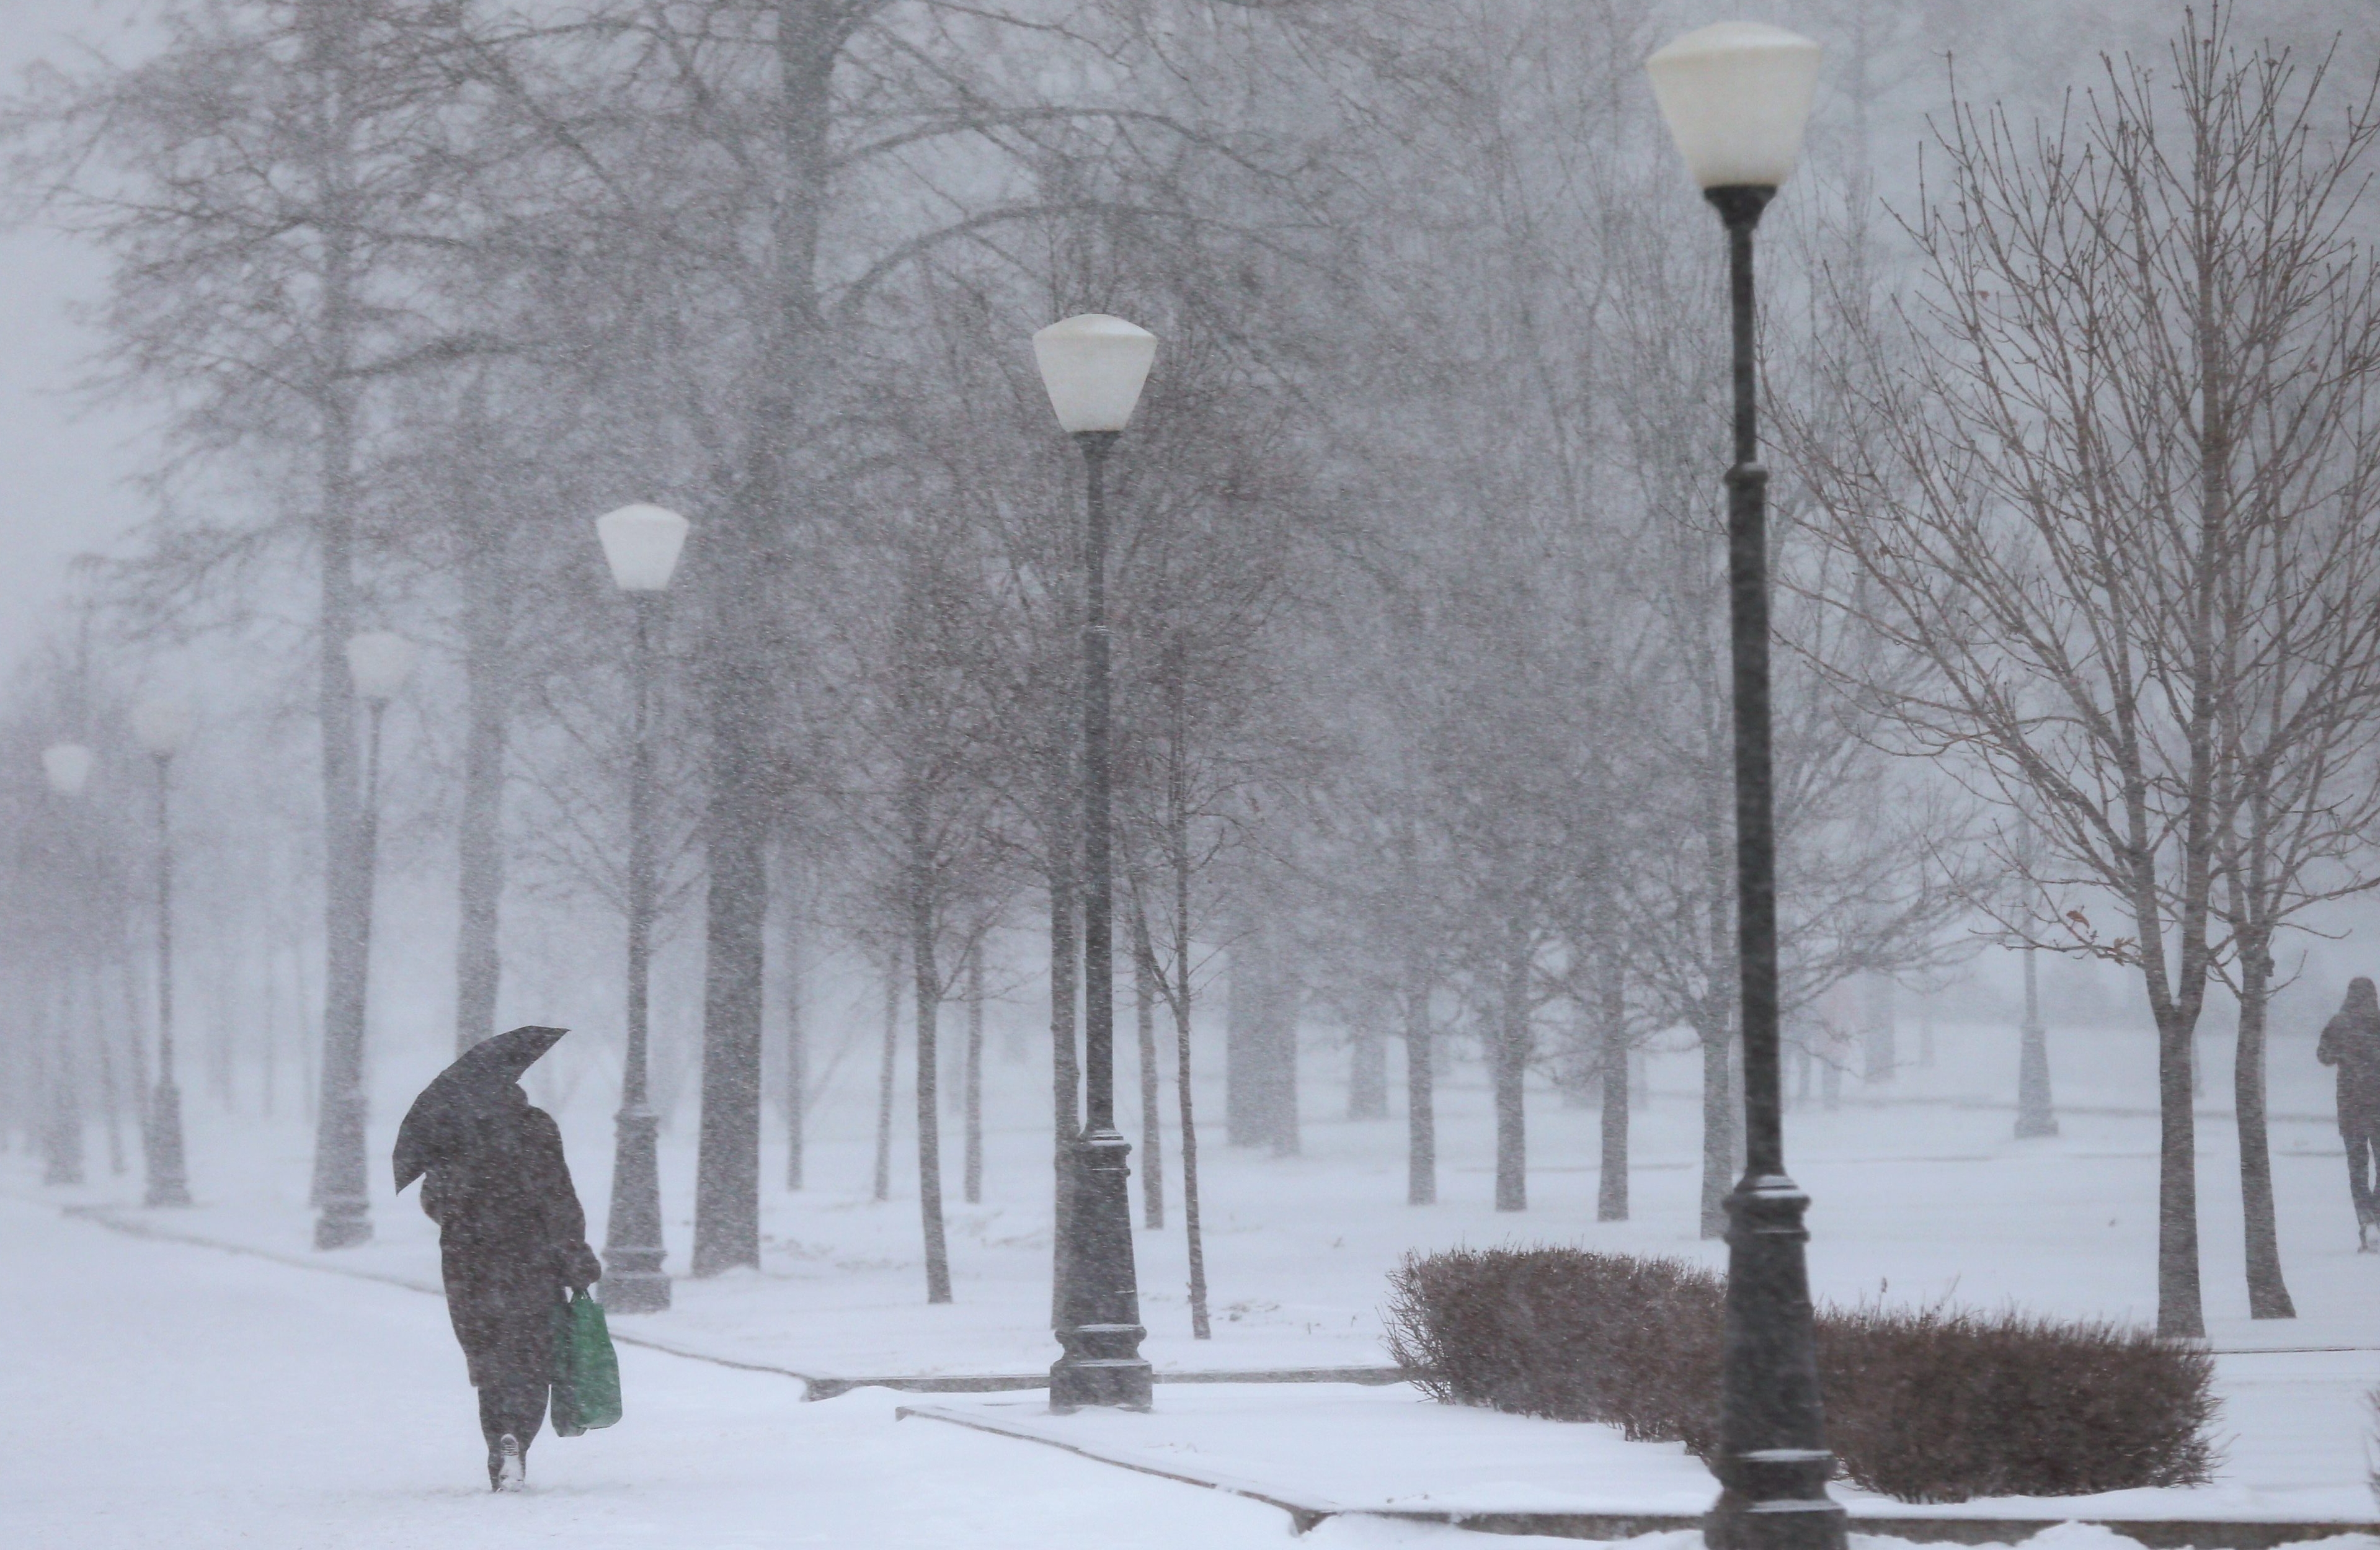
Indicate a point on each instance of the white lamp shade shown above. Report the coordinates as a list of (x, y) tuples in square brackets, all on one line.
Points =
[(1093, 366), (1736, 96), (67, 765), (641, 545), (379, 661), (162, 725)]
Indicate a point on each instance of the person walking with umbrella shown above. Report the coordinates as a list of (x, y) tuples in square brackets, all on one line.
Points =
[(2351, 1043), (512, 1236)]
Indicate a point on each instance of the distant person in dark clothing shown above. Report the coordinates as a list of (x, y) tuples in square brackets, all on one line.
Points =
[(512, 1237), (2351, 1043)]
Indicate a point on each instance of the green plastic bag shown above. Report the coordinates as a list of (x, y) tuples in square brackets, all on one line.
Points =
[(586, 1370)]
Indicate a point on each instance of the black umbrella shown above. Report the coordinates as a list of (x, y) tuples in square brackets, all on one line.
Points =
[(441, 1119)]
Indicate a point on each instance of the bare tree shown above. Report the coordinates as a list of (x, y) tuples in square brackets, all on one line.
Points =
[(2111, 480)]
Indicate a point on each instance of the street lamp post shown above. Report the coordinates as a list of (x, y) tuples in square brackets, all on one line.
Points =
[(641, 545), (378, 661), (1736, 97), (2036, 1115), (1093, 366), (161, 727), (66, 767)]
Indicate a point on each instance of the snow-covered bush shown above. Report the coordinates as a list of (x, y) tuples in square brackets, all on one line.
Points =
[(1565, 1334), (1942, 1404), (1929, 1405)]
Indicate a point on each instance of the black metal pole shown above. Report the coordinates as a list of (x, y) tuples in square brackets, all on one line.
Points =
[(634, 1281), (1773, 1464), (1099, 1300), (339, 1188), (168, 1180)]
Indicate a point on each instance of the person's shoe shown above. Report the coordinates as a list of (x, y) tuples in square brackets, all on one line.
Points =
[(511, 1470), (2363, 1239)]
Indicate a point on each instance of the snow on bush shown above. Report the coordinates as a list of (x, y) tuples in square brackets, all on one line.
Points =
[(1930, 1404)]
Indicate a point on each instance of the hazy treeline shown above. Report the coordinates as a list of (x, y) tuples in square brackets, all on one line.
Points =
[(1418, 595)]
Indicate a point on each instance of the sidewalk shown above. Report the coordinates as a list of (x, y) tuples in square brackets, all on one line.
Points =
[(1333, 1451)]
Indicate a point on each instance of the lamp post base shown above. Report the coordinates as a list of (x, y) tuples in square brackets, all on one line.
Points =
[(634, 1281), (169, 1184), (339, 1188), (343, 1224), (637, 1290), (1737, 1524), (1100, 1326), (2035, 1116), (1773, 1465)]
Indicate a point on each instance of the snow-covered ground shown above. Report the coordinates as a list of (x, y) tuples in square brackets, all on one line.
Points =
[(167, 1374), (160, 1395)]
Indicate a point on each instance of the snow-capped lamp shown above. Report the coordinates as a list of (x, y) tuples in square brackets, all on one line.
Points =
[(379, 661), (641, 545), (1736, 96), (68, 767), (1094, 367)]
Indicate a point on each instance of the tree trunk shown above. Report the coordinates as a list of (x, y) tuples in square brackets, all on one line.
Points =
[(339, 1183), (1066, 1055), (1719, 1125), (1177, 844), (1611, 1182), (973, 1182), (1245, 1121), (62, 1111), (1367, 1071), (884, 1077), (1511, 1069), (1880, 1051), (1200, 1329), (1281, 1007), (2179, 1307), (735, 836), (2268, 1294), (1421, 1097), (1152, 1136), (111, 1105), (480, 854), (131, 1007), (797, 1044), (339, 1140), (926, 989)]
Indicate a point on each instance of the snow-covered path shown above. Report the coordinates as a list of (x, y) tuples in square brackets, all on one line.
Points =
[(158, 1393)]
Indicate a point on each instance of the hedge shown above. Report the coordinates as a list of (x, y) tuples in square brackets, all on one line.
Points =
[(1925, 1404)]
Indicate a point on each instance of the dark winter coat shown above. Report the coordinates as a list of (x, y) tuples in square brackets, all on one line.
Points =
[(2351, 1043), (511, 1237)]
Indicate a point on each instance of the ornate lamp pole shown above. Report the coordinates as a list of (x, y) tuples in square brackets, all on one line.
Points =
[(641, 545), (161, 727), (379, 661), (1093, 366), (66, 767), (1736, 97)]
